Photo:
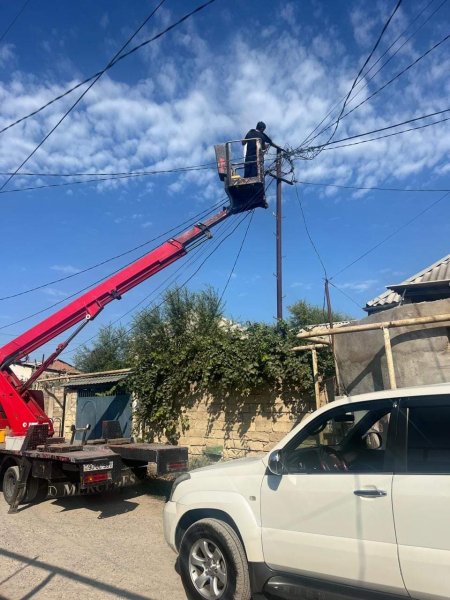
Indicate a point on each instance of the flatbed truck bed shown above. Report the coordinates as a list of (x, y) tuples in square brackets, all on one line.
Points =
[(46, 468)]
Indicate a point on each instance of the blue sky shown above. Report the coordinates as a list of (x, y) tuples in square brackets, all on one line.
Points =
[(165, 106)]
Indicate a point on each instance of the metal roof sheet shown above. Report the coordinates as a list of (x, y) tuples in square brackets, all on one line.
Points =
[(95, 380), (437, 272)]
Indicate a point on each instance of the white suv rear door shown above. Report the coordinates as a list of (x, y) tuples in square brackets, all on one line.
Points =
[(334, 524), (421, 495)]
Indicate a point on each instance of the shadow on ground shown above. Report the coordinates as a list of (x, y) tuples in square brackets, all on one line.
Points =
[(52, 571), (117, 502), (113, 502)]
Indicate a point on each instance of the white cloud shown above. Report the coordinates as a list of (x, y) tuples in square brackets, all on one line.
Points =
[(363, 26), (7, 57), (300, 284), (358, 286), (104, 21), (392, 273), (173, 118), (65, 269), (287, 12), (54, 292)]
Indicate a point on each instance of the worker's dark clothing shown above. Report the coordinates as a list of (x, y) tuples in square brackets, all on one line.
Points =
[(251, 167)]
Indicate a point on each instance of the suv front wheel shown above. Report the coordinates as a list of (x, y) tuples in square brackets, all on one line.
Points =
[(213, 564)]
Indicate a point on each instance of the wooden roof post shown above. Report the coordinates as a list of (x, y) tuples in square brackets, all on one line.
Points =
[(389, 358), (315, 376)]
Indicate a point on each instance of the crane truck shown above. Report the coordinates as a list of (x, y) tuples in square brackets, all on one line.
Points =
[(36, 464)]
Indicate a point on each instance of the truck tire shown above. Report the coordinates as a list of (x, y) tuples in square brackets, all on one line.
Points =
[(213, 564), (33, 491), (10, 479)]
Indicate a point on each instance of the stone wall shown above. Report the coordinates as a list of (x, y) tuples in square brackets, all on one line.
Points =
[(241, 426), (238, 425), (54, 402)]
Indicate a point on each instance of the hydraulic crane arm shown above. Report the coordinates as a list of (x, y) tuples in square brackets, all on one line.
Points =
[(92, 302), (20, 405)]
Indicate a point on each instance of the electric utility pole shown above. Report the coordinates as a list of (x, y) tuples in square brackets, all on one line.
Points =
[(279, 244)]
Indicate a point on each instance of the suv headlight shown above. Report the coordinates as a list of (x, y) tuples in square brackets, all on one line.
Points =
[(177, 482)]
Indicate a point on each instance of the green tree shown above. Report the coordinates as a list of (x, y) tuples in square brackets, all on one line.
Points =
[(304, 314), (186, 348), (168, 345), (109, 351)]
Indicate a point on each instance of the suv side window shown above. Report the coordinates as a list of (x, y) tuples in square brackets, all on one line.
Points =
[(428, 439), (347, 439)]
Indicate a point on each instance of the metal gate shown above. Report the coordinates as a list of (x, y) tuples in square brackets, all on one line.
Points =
[(93, 410)]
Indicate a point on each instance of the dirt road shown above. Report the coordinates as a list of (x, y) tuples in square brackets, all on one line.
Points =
[(97, 547)]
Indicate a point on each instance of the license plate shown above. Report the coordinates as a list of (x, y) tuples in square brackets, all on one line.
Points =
[(89, 467)]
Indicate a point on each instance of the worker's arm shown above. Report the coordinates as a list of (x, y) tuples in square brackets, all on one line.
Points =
[(268, 141)]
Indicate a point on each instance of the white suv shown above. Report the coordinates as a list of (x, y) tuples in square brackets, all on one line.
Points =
[(353, 503)]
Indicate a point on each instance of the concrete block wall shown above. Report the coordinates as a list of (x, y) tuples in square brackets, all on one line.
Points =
[(421, 353)]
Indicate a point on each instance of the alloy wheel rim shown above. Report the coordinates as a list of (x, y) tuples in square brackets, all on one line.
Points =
[(208, 569)]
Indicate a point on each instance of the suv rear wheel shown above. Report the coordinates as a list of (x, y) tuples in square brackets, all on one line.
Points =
[(213, 564)]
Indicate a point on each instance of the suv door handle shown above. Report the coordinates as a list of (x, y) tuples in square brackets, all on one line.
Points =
[(370, 493)]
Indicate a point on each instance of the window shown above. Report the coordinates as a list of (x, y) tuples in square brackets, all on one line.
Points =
[(428, 447), (343, 440)]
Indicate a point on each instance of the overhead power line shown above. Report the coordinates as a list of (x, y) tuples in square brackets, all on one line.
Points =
[(355, 81), (74, 294), (310, 137), (311, 152), (168, 282), (391, 235), (193, 258), (117, 173), (110, 65), (64, 300), (345, 294), (380, 137), (308, 232), (394, 53), (237, 256), (371, 188), (66, 114), (385, 85), (14, 20), (352, 137), (137, 174), (112, 258), (223, 228), (117, 177), (219, 242)]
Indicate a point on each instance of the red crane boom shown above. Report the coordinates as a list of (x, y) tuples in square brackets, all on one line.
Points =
[(19, 405)]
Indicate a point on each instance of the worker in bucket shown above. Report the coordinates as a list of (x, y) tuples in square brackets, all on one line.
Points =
[(251, 165)]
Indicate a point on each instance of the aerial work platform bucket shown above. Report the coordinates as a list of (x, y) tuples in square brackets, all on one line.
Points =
[(244, 193)]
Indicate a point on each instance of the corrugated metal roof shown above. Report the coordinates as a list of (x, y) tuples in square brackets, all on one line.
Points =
[(437, 272), (95, 380)]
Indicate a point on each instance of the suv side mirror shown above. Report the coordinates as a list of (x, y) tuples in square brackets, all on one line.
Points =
[(275, 464)]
